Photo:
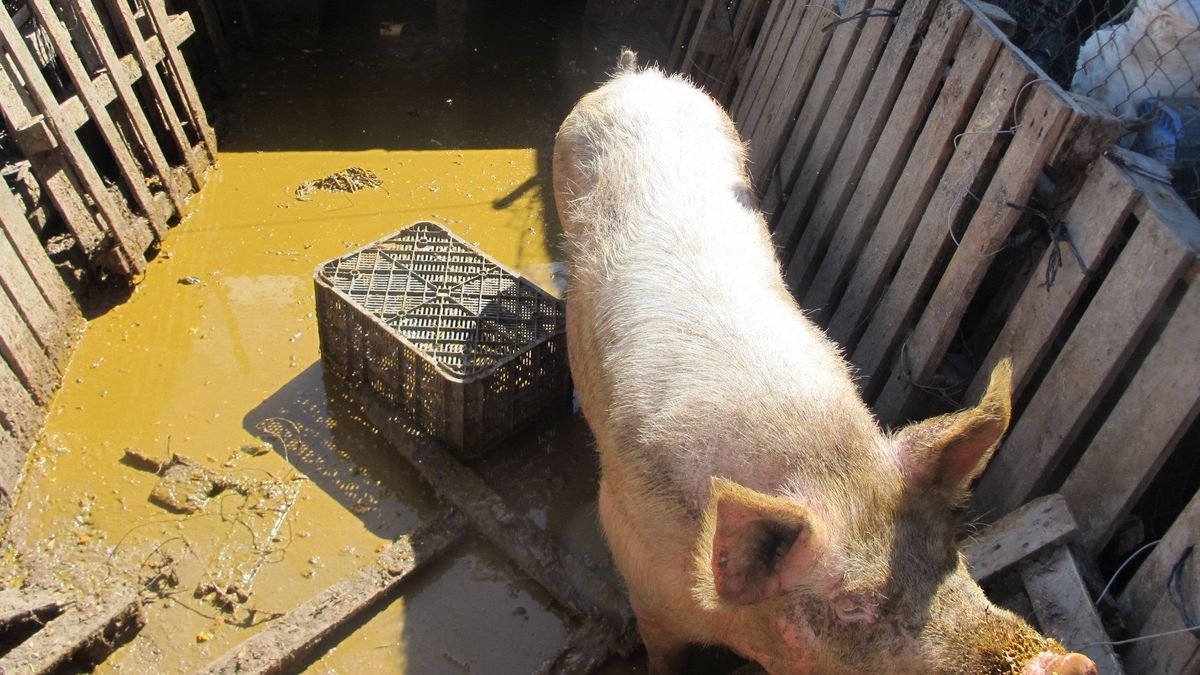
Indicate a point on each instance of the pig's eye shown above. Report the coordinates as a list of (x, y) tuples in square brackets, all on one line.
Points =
[(776, 541)]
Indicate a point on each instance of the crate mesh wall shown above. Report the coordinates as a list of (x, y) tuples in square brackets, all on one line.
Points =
[(468, 349)]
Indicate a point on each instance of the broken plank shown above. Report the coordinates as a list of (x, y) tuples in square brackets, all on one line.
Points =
[(1136, 438), (1064, 607), (1119, 314), (883, 132), (976, 150), (290, 641), (93, 628), (567, 580), (889, 233), (129, 167), (1040, 524), (1035, 137), (20, 605), (1092, 223)]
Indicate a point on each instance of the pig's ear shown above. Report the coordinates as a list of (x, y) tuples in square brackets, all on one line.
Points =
[(753, 546), (952, 450)]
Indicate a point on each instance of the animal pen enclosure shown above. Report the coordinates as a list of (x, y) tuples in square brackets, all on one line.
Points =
[(938, 203)]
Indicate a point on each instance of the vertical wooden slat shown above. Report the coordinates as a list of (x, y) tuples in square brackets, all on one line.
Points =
[(883, 130), (33, 256), (776, 69), (1115, 320), (123, 85), (49, 167), (130, 241), (21, 350), (972, 164), (1064, 607), (816, 132), (1143, 592), (1036, 137), (1092, 223), (756, 68), (889, 233), (743, 28), (1138, 436), (687, 57), (135, 180), (47, 328), (181, 77), (125, 20), (20, 415), (801, 63)]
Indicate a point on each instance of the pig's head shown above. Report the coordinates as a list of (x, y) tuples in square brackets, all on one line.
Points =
[(861, 573)]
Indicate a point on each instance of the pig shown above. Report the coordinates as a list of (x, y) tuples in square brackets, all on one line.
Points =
[(748, 495)]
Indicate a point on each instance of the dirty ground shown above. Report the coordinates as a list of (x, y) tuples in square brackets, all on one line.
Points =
[(197, 448)]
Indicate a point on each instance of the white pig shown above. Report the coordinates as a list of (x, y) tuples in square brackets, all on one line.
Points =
[(748, 495)]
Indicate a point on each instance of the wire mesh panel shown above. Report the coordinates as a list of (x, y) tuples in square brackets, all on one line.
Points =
[(468, 349), (1140, 59)]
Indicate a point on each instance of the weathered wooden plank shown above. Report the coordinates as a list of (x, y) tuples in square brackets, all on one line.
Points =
[(122, 84), (1137, 438), (1109, 330), (147, 60), (589, 646), (48, 329), (17, 605), (676, 46), (778, 112), (531, 548), (743, 30), (290, 641), (20, 415), (98, 627), (1064, 608), (971, 165), (764, 50), (1178, 651), (1139, 598), (1036, 137), (687, 55), (829, 172), (1040, 524), (130, 241), (770, 72), (12, 460), (19, 346), (130, 169), (815, 136), (181, 77), (889, 233), (49, 167), (891, 114), (19, 233), (1093, 221)]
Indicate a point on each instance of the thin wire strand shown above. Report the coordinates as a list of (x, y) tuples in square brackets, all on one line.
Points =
[(1152, 636), (1120, 569)]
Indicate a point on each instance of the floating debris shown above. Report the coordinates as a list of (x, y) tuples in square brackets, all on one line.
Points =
[(352, 179), (190, 281)]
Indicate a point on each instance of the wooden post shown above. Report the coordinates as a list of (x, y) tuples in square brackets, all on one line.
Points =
[(181, 77)]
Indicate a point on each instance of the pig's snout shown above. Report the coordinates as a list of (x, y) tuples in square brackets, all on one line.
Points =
[(1060, 664)]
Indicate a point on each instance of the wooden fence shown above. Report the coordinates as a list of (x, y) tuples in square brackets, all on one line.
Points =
[(103, 121), (909, 157)]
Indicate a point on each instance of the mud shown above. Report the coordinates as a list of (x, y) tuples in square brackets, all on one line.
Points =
[(286, 489)]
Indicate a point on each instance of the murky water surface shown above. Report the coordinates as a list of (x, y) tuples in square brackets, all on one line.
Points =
[(214, 357)]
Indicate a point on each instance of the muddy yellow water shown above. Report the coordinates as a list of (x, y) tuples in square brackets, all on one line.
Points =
[(214, 357)]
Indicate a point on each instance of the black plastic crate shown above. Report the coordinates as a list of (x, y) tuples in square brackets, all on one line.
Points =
[(467, 348)]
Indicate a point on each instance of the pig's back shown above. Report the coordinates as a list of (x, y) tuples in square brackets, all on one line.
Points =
[(698, 360)]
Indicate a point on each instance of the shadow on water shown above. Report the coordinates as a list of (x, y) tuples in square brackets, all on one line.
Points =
[(320, 431)]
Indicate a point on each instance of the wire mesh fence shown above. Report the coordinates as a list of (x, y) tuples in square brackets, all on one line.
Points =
[(1139, 59)]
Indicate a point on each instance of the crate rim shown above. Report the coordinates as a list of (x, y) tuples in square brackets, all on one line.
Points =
[(458, 379)]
